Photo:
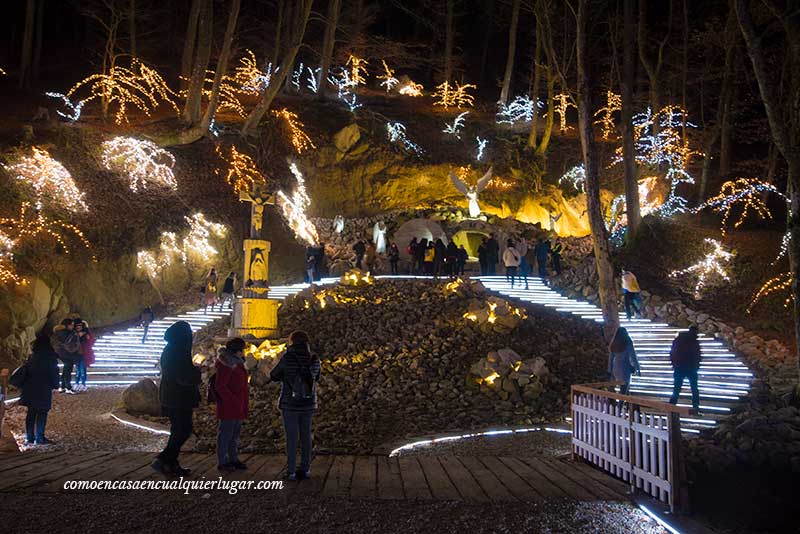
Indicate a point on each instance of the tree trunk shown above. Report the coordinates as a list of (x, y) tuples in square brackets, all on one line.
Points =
[(487, 38), (653, 69), (276, 50), (632, 206), (605, 271), (191, 111), (132, 27), (189, 43), (222, 65), (706, 172), (549, 118), (37, 47), (537, 76), (299, 29), (512, 48), (449, 39), (328, 44), (27, 45), (780, 123)]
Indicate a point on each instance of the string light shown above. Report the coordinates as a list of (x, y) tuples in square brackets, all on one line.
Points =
[(747, 192), (499, 183), (249, 78), (296, 75), (143, 161), (242, 170), (294, 209), (411, 89), (73, 112), (521, 109), (139, 86), (8, 273), (785, 240), (196, 244), (576, 177), (648, 203), (49, 179), (481, 147), (358, 70), (228, 96), (563, 103), (197, 240), (613, 104), (346, 89), (456, 126), (313, 76), (708, 267), (300, 139), (781, 282), (389, 81), (453, 95), (397, 134)]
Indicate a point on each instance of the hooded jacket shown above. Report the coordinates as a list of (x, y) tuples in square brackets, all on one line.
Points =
[(231, 386), (68, 343), (296, 356), (180, 378), (685, 352), (41, 377)]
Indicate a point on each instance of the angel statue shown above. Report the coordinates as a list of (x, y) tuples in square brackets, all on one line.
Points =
[(472, 192), (379, 237), (338, 224)]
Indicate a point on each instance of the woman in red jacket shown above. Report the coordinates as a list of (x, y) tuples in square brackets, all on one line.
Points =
[(231, 392)]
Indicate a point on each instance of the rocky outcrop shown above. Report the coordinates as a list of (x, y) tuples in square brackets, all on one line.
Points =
[(141, 398)]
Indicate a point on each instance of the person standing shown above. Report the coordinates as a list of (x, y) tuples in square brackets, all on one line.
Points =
[(630, 291), (359, 249), (419, 255), (492, 255), (179, 394), (463, 256), (542, 250), (69, 351), (228, 290), (451, 260), (145, 318), (524, 266), (321, 268), (483, 259), (622, 360), (394, 257), (430, 256), (211, 289), (37, 378), (232, 398), (411, 250), (439, 255), (87, 354), (371, 257), (555, 254), (685, 357), (311, 262), (298, 372), (510, 261)]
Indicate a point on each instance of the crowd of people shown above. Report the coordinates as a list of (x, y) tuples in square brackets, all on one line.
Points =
[(210, 294)]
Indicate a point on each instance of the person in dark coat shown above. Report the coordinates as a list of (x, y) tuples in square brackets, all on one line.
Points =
[(40, 379), (69, 351), (360, 249), (542, 250), (685, 357), (179, 395), (394, 257), (439, 255), (411, 249), (463, 256), (555, 254), (232, 398), (419, 255), (451, 260), (483, 259), (492, 255), (228, 289), (298, 372), (145, 318), (622, 360)]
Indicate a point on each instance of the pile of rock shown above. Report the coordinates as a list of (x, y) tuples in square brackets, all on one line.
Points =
[(494, 314), (506, 374)]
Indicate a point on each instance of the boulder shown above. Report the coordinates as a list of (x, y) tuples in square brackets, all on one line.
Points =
[(345, 138), (141, 398)]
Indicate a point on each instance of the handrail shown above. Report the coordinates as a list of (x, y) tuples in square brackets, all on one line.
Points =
[(3, 395), (638, 401)]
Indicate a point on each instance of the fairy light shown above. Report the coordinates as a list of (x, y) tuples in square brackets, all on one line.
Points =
[(228, 95), (411, 89), (143, 161), (300, 139), (49, 179), (197, 240), (455, 127), (745, 192), (563, 103), (73, 112), (389, 81), (482, 143), (711, 265), (779, 283), (397, 134), (499, 183), (242, 171), (521, 109), (195, 245), (311, 79), (457, 95), (576, 177), (785, 240), (8, 273), (346, 89), (613, 104), (358, 69), (296, 75), (294, 209), (249, 78), (649, 202), (139, 86)]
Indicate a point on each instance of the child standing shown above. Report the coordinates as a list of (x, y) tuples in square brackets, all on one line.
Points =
[(231, 395), (39, 379)]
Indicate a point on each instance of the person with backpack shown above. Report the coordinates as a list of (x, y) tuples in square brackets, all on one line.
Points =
[(622, 360), (685, 357), (87, 354), (394, 257), (511, 259), (179, 394), (69, 351), (228, 389), (298, 372), (145, 319), (37, 378), (228, 290)]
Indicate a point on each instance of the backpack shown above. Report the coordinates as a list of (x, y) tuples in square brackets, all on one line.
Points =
[(303, 384), (211, 393), (18, 377)]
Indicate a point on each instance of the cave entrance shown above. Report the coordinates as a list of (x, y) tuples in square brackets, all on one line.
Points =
[(471, 239)]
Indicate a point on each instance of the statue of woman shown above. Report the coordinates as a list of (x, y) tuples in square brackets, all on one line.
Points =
[(379, 237)]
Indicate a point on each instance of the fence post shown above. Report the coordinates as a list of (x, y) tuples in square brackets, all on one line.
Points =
[(679, 500)]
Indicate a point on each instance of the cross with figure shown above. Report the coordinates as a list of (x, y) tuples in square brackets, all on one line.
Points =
[(258, 198)]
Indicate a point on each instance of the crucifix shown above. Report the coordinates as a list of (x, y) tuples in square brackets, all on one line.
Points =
[(258, 197)]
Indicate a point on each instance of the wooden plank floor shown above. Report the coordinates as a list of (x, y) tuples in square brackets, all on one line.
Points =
[(472, 479)]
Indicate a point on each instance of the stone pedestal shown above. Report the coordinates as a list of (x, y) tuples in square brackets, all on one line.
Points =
[(254, 314)]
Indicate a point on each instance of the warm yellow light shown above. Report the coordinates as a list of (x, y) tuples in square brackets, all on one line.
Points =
[(613, 104), (491, 378), (411, 89), (781, 282), (358, 70), (448, 95), (49, 179), (389, 81), (294, 209), (563, 103), (143, 161), (300, 139), (242, 171)]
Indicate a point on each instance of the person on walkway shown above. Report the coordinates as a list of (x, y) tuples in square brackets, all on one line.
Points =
[(492, 255), (298, 372), (179, 394), (622, 360), (542, 250), (555, 254), (370, 257), (321, 267), (463, 256), (524, 266), (394, 257), (451, 260), (311, 267), (430, 256), (510, 261), (87, 354), (685, 357), (39, 379), (228, 290), (483, 257), (69, 351), (145, 318), (439, 256), (211, 289), (630, 291), (232, 398), (411, 250), (359, 249), (419, 256)]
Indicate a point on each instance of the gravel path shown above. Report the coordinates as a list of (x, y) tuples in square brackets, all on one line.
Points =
[(539, 443), (282, 511), (84, 422)]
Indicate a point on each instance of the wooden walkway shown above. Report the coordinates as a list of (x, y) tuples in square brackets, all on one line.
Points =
[(474, 479)]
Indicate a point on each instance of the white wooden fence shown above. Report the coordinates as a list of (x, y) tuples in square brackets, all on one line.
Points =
[(635, 439)]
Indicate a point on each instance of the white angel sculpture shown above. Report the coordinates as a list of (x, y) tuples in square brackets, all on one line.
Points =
[(472, 192), (338, 224), (379, 237)]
